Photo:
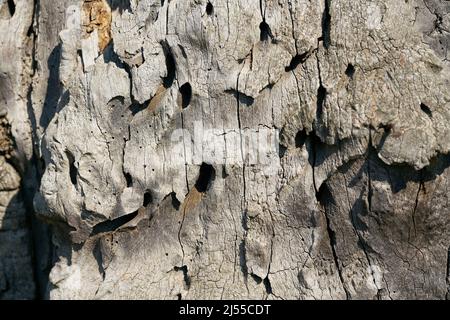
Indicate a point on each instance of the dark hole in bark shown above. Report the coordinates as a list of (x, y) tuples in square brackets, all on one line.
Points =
[(242, 97), (224, 172), (387, 128), (136, 107), (321, 96), (350, 71), (314, 145), (257, 279), (245, 99), (281, 150), (326, 25), (29, 34), (41, 165), (298, 59), (11, 7), (324, 195), (426, 110), (186, 277), (175, 202), (300, 138), (209, 9), (170, 65), (112, 225), (267, 285), (73, 171), (265, 31), (148, 199), (186, 95), (122, 5), (116, 102), (243, 255), (206, 176), (128, 179), (183, 52), (99, 258)]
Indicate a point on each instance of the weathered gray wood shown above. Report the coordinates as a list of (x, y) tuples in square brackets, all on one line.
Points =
[(106, 98)]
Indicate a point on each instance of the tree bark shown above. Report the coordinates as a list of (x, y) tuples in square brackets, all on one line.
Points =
[(216, 149)]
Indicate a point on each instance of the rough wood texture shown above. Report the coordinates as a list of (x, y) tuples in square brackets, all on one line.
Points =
[(225, 149)]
